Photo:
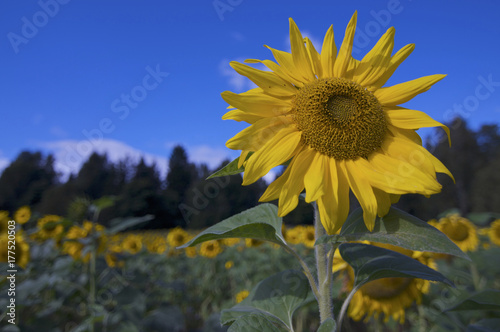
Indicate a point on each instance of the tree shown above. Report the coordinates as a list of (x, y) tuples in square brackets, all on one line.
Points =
[(25, 180)]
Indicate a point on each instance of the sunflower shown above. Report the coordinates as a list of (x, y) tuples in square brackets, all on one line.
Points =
[(210, 249), (22, 215), (111, 256), (4, 222), (230, 241), (132, 244), (190, 252), (253, 243), (328, 115), (390, 296), (294, 235), (242, 295), (157, 246), (494, 232), (22, 250), (461, 231), (49, 227), (228, 265), (308, 237), (177, 237)]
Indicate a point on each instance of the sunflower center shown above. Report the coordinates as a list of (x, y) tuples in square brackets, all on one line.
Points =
[(339, 118), (458, 232), (385, 288)]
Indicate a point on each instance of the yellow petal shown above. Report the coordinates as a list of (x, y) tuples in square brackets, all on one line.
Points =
[(396, 60), (344, 57), (289, 196), (363, 192), (239, 115), (257, 104), (299, 53), (328, 53), (243, 157), (255, 136), (281, 72), (273, 153), (375, 62), (274, 189), (409, 134), (313, 179), (314, 57), (411, 119), (269, 82), (285, 60), (401, 93), (383, 202)]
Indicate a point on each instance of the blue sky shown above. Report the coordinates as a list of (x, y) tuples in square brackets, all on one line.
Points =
[(138, 77)]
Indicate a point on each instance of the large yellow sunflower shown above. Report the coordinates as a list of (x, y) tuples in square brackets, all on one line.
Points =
[(329, 116), (388, 296)]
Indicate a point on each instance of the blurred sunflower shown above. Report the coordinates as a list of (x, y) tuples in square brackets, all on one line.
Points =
[(157, 246), (329, 116), (390, 296), (229, 265), (210, 249), (249, 243), (494, 232), (308, 237), (4, 222), (132, 243), (49, 227), (177, 237), (190, 252), (112, 256), (22, 215), (461, 231), (72, 246), (294, 235), (231, 241), (22, 250), (242, 295)]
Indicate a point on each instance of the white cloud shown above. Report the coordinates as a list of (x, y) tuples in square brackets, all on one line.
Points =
[(71, 154)]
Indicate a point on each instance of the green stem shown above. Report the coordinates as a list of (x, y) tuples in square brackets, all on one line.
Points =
[(307, 272), (324, 276), (345, 305)]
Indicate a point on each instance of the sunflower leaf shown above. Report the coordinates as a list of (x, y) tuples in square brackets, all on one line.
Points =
[(230, 169), (120, 224), (400, 229), (260, 223), (276, 297), (256, 322), (372, 263), (328, 325), (486, 300)]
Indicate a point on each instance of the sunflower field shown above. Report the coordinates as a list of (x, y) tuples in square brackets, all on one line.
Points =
[(76, 276)]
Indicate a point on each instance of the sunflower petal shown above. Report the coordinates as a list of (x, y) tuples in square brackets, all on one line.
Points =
[(289, 196), (274, 189), (239, 115), (363, 192), (328, 53), (396, 60), (411, 119), (375, 62), (344, 57), (269, 82), (313, 180), (255, 136), (257, 104), (285, 60), (299, 52), (314, 57), (243, 157), (401, 93), (273, 153)]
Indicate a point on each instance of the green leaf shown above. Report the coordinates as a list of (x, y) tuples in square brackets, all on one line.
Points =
[(261, 223), (120, 224), (485, 325), (400, 229), (255, 322), (277, 297), (486, 300), (230, 169), (372, 263), (328, 325), (104, 202)]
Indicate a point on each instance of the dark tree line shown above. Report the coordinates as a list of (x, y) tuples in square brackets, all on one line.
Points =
[(185, 198)]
